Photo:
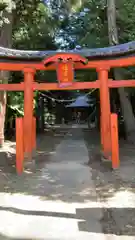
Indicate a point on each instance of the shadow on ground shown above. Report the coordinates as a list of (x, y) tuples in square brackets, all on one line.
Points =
[(46, 145), (87, 219), (115, 187), (109, 181)]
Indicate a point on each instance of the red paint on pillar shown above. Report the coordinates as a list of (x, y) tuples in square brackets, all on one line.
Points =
[(34, 134), (28, 109), (115, 141), (105, 111), (101, 132), (19, 145)]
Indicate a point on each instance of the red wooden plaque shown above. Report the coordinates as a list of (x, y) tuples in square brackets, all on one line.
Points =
[(65, 73)]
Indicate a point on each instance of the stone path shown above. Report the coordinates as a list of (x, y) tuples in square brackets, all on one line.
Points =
[(59, 202)]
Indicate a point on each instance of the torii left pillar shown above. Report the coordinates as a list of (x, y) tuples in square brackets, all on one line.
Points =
[(28, 110), (105, 120)]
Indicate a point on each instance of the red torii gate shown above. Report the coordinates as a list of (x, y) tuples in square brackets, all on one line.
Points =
[(64, 64)]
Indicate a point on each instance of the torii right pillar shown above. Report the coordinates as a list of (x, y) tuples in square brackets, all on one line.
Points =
[(105, 120)]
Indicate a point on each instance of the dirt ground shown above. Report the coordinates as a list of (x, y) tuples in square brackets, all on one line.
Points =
[(115, 185), (9, 181), (111, 186)]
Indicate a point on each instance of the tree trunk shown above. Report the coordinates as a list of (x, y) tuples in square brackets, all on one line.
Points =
[(125, 102), (5, 41)]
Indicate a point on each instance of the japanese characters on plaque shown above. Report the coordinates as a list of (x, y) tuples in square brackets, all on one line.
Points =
[(65, 73)]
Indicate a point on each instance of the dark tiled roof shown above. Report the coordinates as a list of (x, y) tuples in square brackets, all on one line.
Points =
[(81, 101), (97, 53)]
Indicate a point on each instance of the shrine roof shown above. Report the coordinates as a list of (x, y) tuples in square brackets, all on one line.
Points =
[(81, 101), (117, 51)]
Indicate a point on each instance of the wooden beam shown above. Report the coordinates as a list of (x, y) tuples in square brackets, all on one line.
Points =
[(120, 62), (12, 87), (121, 83), (75, 86)]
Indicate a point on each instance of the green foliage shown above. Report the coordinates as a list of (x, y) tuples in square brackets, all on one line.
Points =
[(32, 29), (15, 102)]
